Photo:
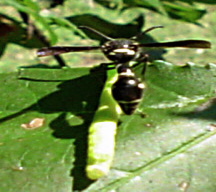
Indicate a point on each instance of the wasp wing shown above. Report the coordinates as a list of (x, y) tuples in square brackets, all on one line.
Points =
[(183, 43), (47, 51)]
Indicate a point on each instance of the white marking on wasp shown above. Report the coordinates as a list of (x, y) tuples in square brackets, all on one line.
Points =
[(132, 82), (129, 102), (124, 50), (141, 85), (127, 73)]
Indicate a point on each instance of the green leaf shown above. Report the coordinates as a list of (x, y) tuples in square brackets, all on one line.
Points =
[(171, 149), (156, 5), (31, 4), (200, 1), (173, 9), (184, 13)]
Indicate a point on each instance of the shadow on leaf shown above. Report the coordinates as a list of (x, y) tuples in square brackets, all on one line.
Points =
[(74, 100)]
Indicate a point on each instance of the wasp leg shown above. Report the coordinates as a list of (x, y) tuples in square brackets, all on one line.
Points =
[(140, 113), (142, 59)]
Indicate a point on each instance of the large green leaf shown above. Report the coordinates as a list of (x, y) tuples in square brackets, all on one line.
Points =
[(170, 149)]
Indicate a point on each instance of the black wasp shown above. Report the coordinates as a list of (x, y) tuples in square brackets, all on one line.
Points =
[(128, 89)]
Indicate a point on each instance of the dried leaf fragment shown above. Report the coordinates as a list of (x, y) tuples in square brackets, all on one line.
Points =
[(34, 123)]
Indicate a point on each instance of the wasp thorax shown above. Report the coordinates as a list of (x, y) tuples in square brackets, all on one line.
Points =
[(128, 92), (122, 50)]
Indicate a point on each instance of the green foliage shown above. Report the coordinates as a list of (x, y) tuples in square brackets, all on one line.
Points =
[(181, 10), (35, 24), (32, 9), (173, 9)]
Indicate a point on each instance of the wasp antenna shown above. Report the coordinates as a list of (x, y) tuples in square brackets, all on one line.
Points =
[(95, 32), (152, 28), (146, 31)]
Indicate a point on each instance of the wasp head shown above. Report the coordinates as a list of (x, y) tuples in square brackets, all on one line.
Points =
[(120, 50)]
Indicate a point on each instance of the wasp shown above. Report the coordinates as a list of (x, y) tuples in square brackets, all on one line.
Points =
[(128, 89)]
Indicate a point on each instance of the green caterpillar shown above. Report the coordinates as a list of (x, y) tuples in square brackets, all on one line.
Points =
[(102, 131)]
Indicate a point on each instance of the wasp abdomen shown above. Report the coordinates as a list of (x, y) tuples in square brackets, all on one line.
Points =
[(128, 91)]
